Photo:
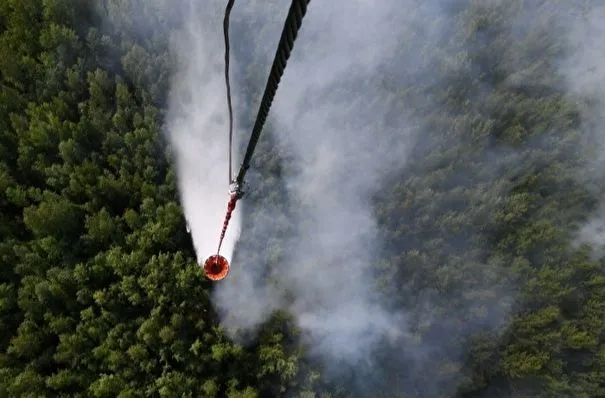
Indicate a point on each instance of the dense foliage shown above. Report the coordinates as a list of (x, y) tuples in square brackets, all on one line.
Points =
[(100, 293)]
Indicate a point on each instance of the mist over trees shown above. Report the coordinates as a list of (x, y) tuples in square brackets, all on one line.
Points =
[(484, 229)]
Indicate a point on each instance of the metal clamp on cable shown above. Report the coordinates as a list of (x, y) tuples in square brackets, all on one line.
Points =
[(235, 190)]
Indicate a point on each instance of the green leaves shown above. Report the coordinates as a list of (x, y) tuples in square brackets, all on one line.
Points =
[(54, 217)]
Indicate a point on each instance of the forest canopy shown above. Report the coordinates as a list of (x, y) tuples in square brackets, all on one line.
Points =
[(493, 220)]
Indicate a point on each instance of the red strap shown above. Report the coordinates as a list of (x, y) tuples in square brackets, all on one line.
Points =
[(230, 209)]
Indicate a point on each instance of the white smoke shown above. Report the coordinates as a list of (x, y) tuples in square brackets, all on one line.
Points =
[(338, 124), (345, 137), (584, 72)]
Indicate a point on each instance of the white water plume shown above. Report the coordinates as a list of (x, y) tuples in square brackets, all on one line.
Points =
[(198, 131)]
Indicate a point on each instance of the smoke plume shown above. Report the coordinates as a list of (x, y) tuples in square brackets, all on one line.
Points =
[(344, 136), (584, 72), (345, 132)]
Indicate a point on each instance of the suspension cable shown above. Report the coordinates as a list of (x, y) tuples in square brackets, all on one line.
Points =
[(226, 33)]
